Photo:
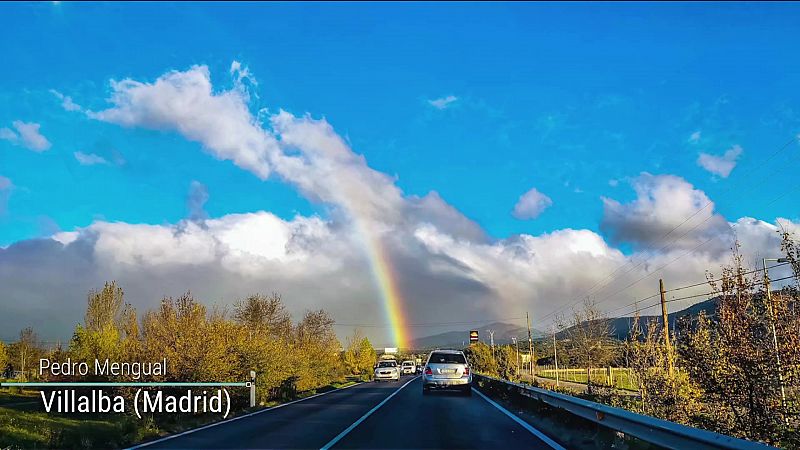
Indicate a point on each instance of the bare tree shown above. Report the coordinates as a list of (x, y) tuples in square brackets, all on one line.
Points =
[(26, 348), (588, 337)]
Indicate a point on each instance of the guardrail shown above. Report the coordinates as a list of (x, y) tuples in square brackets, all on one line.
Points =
[(649, 429)]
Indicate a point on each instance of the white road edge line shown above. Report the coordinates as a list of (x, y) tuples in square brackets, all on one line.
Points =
[(369, 413), (184, 433), (524, 424)]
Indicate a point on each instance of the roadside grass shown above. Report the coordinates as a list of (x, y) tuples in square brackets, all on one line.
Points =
[(24, 428), (23, 423)]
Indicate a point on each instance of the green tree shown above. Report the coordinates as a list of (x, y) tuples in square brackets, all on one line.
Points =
[(481, 359), (268, 345), (110, 329), (318, 363), (506, 357), (359, 357), (4, 358), (261, 314)]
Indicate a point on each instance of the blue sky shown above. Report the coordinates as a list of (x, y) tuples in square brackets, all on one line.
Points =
[(561, 96), (575, 100)]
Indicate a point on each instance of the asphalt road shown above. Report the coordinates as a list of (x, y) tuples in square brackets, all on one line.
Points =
[(370, 416)]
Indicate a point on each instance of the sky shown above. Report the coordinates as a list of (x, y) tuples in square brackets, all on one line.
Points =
[(500, 158)]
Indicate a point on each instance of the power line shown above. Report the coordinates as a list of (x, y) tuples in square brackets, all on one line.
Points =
[(709, 203), (428, 324), (704, 294), (683, 255), (706, 282)]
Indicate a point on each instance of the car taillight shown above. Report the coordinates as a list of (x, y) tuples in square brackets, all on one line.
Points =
[(428, 371), (466, 371)]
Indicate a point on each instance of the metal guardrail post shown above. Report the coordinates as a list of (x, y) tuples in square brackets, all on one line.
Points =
[(252, 388), (649, 429)]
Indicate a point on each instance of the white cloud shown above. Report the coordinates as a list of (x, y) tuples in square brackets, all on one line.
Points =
[(443, 262), (66, 101), (185, 102), (443, 102), (27, 134), (695, 137), (613, 182), (303, 151), (242, 73), (720, 165), (89, 159), (531, 204), (663, 202)]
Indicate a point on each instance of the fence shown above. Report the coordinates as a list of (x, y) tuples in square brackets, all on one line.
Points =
[(618, 377)]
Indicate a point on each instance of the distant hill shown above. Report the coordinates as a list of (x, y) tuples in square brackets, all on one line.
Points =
[(503, 332), (621, 326)]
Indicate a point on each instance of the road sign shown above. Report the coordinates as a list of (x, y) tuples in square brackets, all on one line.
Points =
[(473, 336)]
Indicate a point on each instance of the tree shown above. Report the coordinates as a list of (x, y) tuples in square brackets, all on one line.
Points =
[(359, 357), (481, 359), (260, 314), (665, 394), (506, 358), (733, 357), (180, 332), (318, 348), (104, 307), (26, 349), (588, 338), (4, 358), (110, 329)]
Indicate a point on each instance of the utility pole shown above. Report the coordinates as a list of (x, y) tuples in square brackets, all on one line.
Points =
[(664, 316), (555, 354), (778, 366), (530, 343), (491, 340)]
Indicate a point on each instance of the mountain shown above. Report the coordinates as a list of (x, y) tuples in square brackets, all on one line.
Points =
[(621, 326), (503, 332)]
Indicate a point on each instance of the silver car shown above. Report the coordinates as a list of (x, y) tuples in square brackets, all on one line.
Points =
[(447, 369), (387, 370)]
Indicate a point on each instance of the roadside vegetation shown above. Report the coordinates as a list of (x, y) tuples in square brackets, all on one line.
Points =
[(201, 344), (736, 371)]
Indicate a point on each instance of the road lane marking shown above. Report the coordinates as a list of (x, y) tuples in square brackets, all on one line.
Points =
[(184, 433), (522, 423), (369, 413)]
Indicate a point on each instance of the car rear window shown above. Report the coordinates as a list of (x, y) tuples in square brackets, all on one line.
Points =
[(387, 364), (447, 358)]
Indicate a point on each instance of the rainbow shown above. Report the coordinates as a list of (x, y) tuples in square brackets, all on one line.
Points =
[(387, 284)]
